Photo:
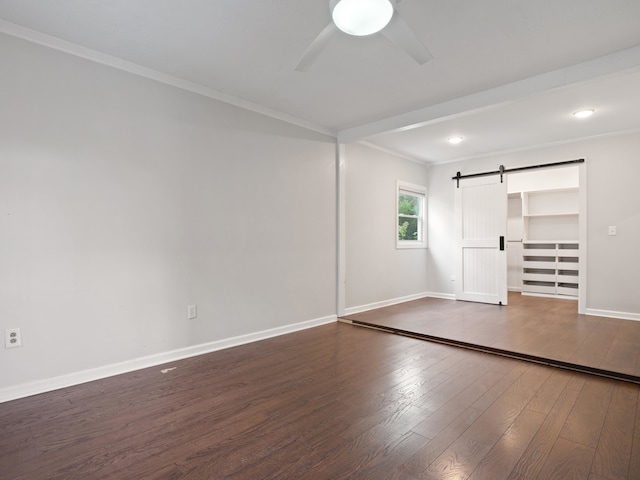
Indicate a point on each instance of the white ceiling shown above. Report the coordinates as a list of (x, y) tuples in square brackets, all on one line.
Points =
[(506, 74)]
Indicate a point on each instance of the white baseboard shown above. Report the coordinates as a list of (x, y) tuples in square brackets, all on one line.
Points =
[(383, 303), (550, 295), (613, 314), (76, 378), (395, 301), (444, 296)]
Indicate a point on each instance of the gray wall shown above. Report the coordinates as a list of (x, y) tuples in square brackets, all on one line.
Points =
[(375, 270), (613, 198), (123, 200)]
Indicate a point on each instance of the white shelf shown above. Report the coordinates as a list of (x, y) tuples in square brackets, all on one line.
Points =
[(559, 214), (541, 252), (550, 290), (529, 265), (567, 278), (548, 221), (551, 202), (568, 266), (549, 267), (565, 242), (568, 291), (536, 277), (550, 215)]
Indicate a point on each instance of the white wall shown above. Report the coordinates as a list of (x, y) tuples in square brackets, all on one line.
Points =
[(123, 200), (613, 197), (377, 272)]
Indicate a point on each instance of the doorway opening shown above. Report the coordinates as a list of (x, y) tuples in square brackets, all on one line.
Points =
[(545, 252)]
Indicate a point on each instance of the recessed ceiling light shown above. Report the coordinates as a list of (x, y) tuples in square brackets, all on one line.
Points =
[(584, 113), (455, 140)]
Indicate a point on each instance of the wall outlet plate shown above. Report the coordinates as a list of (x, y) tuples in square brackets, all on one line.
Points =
[(12, 338), (192, 312)]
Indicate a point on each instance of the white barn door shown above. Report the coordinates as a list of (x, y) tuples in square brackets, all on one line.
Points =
[(481, 249)]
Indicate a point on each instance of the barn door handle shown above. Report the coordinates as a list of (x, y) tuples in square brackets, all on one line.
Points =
[(501, 242)]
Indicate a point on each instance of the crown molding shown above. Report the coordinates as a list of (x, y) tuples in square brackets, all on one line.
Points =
[(70, 48)]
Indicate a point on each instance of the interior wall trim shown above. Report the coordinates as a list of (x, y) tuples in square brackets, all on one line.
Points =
[(395, 301), (76, 378), (133, 68), (383, 303), (613, 314), (445, 296)]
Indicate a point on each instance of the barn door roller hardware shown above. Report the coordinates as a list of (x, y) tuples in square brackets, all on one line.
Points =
[(501, 170)]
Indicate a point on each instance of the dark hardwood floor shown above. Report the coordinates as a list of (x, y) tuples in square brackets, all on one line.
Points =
[(545, 329), (333, 402)]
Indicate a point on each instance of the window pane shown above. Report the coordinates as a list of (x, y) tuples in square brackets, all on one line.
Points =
[(408, 229), (408, 205), (411, 212)]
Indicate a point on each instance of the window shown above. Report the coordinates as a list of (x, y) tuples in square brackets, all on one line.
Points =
[(411, 210)]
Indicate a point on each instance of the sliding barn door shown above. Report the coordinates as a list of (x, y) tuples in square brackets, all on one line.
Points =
[(481, 228)]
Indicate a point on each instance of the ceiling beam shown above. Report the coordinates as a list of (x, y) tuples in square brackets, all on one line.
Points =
[(622, 60)]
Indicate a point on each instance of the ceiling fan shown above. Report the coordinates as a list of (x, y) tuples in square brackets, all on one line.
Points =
[(362, 18)]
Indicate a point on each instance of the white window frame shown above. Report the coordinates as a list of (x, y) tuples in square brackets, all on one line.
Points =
[(421, 192)]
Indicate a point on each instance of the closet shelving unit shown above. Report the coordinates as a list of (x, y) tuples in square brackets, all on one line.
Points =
[(550, 246)]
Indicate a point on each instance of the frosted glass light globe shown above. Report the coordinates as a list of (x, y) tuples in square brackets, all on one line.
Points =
[(362, 17)]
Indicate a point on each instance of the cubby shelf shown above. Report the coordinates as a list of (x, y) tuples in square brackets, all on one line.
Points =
[(550, 265), (550, 268)]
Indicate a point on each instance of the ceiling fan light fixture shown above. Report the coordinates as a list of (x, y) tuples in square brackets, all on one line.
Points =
[(455, 140), (584, 113), (361, 17)]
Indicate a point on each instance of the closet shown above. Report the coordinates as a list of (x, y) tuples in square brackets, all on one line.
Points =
[(543, 232)]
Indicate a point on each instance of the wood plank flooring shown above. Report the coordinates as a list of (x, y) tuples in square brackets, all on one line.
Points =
[(545, 329), (332, 402)]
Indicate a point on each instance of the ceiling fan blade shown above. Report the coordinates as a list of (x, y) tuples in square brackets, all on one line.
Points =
[(399, 32), (315, 49)]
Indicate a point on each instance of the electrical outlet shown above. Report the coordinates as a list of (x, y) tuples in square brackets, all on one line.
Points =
[(192, 312), (12, 338), (612, 231)]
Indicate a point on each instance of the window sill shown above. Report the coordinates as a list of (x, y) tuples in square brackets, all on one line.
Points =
[(410, 245)]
